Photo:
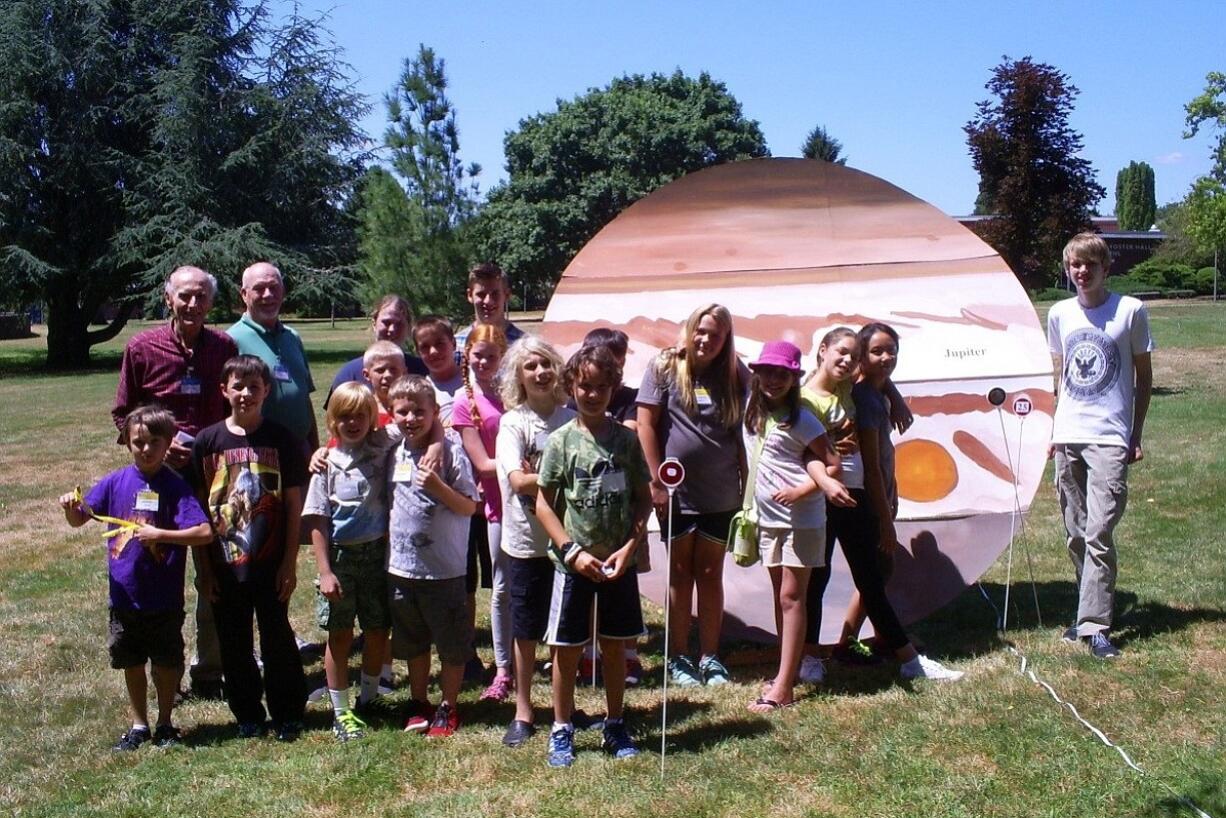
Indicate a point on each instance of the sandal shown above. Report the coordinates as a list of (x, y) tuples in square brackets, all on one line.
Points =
[(765, 705)]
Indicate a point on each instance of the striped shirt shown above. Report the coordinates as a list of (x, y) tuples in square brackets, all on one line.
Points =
[(157, 367)]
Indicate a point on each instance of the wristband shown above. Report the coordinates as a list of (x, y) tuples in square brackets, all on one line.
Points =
[(566, 552)]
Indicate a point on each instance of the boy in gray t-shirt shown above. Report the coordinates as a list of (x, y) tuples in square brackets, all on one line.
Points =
[(426, 564)]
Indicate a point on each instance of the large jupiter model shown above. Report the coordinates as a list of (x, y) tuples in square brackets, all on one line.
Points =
[(794, 247)]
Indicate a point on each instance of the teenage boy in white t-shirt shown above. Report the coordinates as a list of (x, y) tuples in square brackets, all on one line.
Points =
[(1101, 345)]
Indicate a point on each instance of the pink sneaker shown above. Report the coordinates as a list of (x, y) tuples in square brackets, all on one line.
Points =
[(499, 689)]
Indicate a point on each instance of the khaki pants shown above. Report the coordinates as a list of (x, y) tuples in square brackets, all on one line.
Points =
[(1092, 485)]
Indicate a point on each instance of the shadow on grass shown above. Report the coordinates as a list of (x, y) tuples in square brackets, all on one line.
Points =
[(1207, 795), (967, 626), (684, 736)]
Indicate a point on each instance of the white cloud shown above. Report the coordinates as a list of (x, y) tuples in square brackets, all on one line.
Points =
[(1172, 158)]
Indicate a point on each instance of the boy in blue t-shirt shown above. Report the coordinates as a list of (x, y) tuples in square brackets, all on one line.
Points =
[(593, 502), (150, 511)]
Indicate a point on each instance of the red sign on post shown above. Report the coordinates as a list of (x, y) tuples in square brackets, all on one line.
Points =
[(672, 473)]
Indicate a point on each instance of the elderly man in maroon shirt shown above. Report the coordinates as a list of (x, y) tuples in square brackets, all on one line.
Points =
[(178, 365)]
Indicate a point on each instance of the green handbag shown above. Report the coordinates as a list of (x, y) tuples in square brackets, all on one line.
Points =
[(743, 530)]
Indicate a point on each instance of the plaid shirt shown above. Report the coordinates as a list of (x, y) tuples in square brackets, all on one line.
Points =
[(155, 364)]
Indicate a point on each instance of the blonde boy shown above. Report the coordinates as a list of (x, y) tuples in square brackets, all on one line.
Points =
[(1101, 346), (346, 507), (382, 366)]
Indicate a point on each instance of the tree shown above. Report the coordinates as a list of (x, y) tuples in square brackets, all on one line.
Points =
[(135, 137), (1135, 206), (1210, 108), (821, 145), (570, 171), (1032, 177), (411, 237), (1206, 213)]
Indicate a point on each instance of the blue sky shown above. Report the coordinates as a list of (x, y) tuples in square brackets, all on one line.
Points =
[(894, 82)]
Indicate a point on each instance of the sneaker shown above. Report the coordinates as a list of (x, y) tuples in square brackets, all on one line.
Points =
[(251, 729), (921, 667), (289, 731), (683, 672), (445, 722), (561, 747), (418, 717), (713, 671), (617, 741), (1070, 635), (812, 670), (634, 671), (1101, 647), (132, 739), (499, 689), (519, 732), (167, 735), (318, 694), (346, 726), (857, 653), (308, 650)]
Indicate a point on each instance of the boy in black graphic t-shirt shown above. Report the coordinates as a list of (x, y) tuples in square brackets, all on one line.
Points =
[(249, 473)]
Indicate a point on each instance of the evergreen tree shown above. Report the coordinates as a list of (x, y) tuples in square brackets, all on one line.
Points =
[(1135, 206), (136, 137), (821, 145), (1030, 168), (411, 235)]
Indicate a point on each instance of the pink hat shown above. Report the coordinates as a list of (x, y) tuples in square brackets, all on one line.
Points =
[(779, 353)]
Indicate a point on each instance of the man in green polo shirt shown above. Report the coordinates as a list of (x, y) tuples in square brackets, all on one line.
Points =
[(260, 332)]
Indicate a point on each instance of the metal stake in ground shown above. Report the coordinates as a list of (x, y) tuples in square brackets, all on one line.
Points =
[(671, 474)]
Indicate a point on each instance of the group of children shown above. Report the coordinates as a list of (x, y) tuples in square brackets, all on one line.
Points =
[(559, 461)]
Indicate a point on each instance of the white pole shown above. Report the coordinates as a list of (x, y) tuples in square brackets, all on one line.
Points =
[(668, 572)]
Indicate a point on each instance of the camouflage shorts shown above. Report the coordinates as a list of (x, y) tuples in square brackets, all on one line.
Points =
[(361, 570)]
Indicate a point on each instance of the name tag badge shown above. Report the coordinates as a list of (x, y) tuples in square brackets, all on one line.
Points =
[(280, 372), (702, 397), (613, 481), (190, 385), (146, 500), (403, 473)]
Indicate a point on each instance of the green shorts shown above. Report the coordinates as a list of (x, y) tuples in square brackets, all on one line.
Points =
[(361, 570)]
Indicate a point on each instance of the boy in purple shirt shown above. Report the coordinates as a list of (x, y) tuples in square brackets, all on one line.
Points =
[(150, 512)]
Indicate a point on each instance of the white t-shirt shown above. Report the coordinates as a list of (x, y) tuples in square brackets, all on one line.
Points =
[(780, 465), (444, 396), (427, 540), (522, 436), (1097, 346)]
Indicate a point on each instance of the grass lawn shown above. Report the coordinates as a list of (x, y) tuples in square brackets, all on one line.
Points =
[(865, 744)]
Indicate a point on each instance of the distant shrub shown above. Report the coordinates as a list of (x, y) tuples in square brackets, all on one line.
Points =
[(1165, 275)]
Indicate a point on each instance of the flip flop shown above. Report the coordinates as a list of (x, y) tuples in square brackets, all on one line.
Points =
[(765, 705)]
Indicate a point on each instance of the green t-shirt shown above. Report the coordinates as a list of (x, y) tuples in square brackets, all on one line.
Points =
[(289, 400), (596, 481)]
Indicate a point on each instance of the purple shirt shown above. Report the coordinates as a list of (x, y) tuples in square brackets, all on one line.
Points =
[(157, 368), (140, 579)]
